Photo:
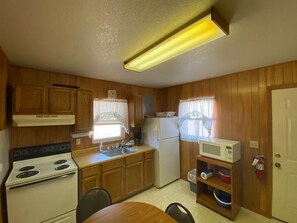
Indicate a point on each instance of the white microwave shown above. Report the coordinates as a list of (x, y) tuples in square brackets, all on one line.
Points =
[(221, 149)]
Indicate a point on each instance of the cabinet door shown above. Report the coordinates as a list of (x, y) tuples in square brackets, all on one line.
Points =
[(61, 101), (29, 99), (148, 172), (136, 111), (84, 111), (113, 181), (134, 178), (90, 182)]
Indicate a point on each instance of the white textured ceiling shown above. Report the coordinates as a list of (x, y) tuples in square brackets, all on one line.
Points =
[(92, 38)]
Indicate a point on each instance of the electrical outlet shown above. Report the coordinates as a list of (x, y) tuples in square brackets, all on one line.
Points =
[(77, 141), (254, 144)]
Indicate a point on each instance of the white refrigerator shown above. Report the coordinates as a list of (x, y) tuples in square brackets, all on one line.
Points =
[(163, 135)]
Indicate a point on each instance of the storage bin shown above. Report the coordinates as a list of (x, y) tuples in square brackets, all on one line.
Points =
[(225, 176), (223, 199), (192, 180)]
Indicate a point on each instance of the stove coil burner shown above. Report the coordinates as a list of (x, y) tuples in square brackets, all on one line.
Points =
[(26, 168), (62, 167), (27, 174), (58, 162)]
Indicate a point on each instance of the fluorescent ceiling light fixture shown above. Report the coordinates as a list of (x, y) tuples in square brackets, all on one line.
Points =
[(206, 29)]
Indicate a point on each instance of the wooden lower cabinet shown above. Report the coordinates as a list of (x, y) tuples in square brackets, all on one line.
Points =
[(90, 178), (89, 183), (113, 179), (134, 174), (121, 177), (149, 169)]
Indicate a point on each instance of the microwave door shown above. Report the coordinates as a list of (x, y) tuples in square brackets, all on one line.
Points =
[(213, 151)]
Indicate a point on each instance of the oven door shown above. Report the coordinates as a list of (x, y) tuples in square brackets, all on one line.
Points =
[(43, 200)]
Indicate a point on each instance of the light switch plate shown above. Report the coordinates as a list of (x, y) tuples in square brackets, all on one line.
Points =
[(77, 141), (112, 93), (254, 144)]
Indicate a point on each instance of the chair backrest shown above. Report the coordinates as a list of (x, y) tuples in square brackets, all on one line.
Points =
[(174, 210), (91, 202)]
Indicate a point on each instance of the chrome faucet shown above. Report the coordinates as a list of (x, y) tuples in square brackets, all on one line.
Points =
[(122, 146)]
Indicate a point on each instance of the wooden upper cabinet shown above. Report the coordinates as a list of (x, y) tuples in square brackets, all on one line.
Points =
[(34, 99), (61, 100), (136, 111), (30, 99), (84, 111)]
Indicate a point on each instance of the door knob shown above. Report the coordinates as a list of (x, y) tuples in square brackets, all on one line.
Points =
[(277, 155), (278, 165)]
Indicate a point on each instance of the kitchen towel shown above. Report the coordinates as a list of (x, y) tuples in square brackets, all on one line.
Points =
[(206, 174)]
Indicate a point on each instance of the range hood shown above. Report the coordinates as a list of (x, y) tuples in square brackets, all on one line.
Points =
[(42, 120)]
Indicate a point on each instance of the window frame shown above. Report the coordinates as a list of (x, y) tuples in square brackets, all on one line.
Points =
[(185, 136), (109, 139)]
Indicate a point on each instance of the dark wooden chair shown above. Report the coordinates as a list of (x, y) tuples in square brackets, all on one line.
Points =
[(94, 200), (180, 213)]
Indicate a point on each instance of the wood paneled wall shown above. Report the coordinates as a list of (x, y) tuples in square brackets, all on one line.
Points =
[(242, 112), (4, 68), (27, 136)]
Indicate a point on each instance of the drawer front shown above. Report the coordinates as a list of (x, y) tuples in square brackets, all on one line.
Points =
[(134, 158), (90, 171), (149, 155), (110, 165)]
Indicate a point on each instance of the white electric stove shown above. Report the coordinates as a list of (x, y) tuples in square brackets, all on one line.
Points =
[(42, 186)]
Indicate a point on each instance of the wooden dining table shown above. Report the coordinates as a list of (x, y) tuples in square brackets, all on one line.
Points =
[(130, 212)]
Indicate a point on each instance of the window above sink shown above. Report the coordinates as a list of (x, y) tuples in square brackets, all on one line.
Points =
[(110, 120), (108, 132)]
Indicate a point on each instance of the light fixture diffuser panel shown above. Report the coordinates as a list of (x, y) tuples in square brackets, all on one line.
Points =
[(197, 34)]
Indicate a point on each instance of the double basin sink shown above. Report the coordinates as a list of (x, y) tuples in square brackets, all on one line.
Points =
[(118, 152)]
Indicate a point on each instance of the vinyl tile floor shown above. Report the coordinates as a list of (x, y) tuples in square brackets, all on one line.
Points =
[(179, 191)]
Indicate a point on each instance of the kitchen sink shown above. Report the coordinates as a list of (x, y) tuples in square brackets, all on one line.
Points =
[(118, 152)]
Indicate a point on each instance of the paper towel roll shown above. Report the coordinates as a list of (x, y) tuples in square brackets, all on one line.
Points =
[(206, 174)]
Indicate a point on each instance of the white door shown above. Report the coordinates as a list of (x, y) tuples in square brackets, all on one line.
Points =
[(168, 128), (167, 164), (284, 148)]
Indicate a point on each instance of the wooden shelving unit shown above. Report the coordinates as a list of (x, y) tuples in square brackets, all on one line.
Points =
[(205, 187)]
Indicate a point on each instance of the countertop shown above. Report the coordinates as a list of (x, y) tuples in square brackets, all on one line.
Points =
[(92, 156)]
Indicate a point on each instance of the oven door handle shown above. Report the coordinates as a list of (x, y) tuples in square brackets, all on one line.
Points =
[(40, 181)]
